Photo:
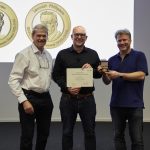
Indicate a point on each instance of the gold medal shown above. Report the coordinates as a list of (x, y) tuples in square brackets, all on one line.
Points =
[(8, 24), (54, 17)]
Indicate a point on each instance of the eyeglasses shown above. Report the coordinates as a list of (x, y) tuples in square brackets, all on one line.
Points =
[(79, 34), (43, 62)]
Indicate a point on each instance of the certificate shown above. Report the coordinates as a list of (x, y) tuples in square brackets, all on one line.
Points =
[(78, 77)]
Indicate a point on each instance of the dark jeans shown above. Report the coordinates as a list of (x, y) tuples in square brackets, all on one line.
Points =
[(135, 123), (43, 107), (86, 108)]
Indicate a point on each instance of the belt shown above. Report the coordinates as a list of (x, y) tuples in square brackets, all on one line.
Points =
[(35, 93), (78, 96)]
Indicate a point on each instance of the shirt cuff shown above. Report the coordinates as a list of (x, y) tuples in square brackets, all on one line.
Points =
[(22, 98)]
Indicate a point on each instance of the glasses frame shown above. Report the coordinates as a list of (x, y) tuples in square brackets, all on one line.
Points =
[(83, 35)]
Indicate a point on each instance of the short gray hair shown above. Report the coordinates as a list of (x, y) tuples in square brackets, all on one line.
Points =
[(39, 26), (121, 32)]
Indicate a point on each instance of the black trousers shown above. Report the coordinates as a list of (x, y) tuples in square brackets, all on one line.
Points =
[(86, 108), (135, 124), (43, 107)]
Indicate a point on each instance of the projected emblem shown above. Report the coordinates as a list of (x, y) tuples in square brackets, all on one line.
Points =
[(8, 24), (54, 17)]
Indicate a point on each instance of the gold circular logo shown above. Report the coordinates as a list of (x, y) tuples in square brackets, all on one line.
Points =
[(8, 24), (54, 17)]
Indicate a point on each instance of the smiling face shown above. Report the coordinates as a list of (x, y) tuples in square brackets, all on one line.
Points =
[(39, 37), (123, 43), (123, 38), (79, 37)]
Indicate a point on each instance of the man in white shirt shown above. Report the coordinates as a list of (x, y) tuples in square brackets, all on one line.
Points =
[(29, 81)]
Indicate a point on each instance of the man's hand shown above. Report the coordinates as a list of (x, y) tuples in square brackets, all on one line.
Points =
[(74, 91), (102, 70), (86, 66), (113, 74), (28, 108)]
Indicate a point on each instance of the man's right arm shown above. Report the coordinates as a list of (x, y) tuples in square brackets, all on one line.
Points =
[(16, 77), (105, 77), (58, 73)]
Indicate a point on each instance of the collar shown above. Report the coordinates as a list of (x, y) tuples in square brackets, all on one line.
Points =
[(36, 50), (73, 50), (118, 55)]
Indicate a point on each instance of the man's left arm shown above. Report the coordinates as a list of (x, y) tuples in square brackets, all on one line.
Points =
[(134, 76), (96, 73)]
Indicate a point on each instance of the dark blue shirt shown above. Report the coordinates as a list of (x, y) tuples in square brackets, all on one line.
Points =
[(127, 93), (69, 58)]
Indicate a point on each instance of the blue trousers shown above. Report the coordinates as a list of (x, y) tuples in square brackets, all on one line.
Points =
[(86, 108), (135, 123)]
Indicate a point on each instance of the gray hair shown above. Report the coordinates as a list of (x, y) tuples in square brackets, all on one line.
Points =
[(41, 27), (76, 27), (121, 32)]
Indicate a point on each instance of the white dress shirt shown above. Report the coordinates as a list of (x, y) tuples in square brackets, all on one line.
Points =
[(31, 71)]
